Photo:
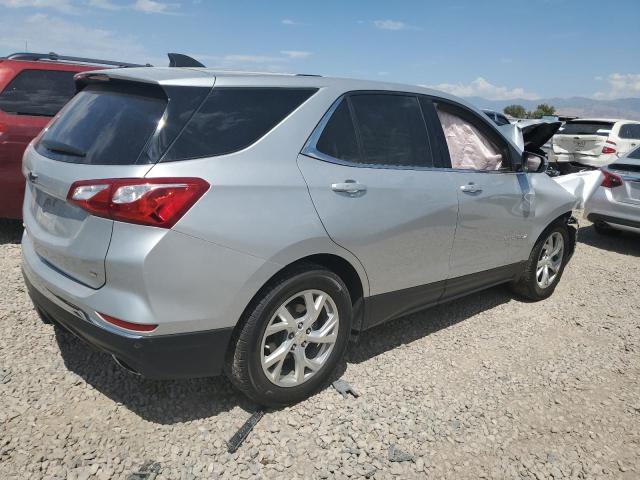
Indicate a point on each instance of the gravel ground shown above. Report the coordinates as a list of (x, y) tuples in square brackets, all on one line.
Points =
[(486, 387)]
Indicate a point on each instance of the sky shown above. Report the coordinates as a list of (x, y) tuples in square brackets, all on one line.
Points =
[(498, 49)]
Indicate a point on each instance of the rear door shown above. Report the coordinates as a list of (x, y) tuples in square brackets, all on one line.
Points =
[(495, 203), (582, 138), (27, 103), (628, 137), (370, 172), (102, 133)]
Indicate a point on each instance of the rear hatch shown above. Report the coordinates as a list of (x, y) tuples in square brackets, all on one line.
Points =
[(582, 138), (628, 168), (113, 128)]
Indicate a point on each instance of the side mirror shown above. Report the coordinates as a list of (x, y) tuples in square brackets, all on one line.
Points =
[(533, 163)]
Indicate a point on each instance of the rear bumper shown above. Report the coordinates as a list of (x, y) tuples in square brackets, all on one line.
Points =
[(185, 355), (614, 221), (601, 207)]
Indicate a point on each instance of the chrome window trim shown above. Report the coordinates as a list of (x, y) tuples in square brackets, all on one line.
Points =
[(310, 149)]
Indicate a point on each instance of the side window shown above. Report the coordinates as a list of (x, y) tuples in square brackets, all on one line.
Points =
[(338, 139), (630, 131), (392, 130), (472, 145), (38, 92), (231, 119)]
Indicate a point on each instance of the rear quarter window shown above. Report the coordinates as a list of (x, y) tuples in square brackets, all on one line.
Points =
[(37, 92), (233, 118)]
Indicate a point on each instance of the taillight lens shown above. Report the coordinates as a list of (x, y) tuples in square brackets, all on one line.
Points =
[(611, 180), (608, 149), (158, 202), (135, 327)]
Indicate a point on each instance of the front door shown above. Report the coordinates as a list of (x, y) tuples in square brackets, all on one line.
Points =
[(495, 203)]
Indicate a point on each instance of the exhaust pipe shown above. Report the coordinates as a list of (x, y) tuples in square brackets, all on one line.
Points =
[(124, 366)]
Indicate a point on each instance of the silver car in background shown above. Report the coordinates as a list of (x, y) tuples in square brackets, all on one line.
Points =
[(190, 222), (615, 205)]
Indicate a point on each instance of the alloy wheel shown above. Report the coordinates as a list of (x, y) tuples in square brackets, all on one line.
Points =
[(550, 260), (299, 338)]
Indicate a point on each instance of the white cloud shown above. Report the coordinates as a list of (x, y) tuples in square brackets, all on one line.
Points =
[(153, 6), (482, 88), (288, 21), (391, 25), (64, 6), (105, 5), (75, 7), (621, 85), (295, 53), (46, 33)]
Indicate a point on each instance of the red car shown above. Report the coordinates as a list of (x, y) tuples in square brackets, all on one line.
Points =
[(33, 87)]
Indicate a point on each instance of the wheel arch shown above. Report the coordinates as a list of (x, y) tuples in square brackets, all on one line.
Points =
[(356, 285), (570, 222)]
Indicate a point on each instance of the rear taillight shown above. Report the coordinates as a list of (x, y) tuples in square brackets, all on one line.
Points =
[(611, 180), (135, 327), (159, 202), (607, 148)]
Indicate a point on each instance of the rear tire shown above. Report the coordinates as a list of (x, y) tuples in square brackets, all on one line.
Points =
[(545, 265), (283, 365)]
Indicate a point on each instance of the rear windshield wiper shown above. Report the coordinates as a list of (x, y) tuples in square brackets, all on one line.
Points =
[(64, 148)]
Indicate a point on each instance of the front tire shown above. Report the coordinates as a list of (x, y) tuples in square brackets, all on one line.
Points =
[(545, 265), (293, 337)]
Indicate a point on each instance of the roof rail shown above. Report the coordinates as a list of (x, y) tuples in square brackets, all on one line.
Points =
[(55, 57), (181, 60)]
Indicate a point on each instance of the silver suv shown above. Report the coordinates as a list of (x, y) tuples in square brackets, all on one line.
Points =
[(191, 222)]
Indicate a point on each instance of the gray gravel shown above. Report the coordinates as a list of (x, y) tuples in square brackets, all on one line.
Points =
[(485, 387)]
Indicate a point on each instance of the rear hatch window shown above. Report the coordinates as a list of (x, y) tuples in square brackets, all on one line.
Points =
[(586, 128), (105, 125)]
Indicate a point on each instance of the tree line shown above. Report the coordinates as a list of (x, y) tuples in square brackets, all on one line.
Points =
[(518, 111)]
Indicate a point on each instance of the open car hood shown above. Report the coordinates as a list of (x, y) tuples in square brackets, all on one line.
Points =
[(537, 133), (530, 135)]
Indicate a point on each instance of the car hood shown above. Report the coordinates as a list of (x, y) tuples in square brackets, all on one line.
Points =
[(530, 134), (536, 133)]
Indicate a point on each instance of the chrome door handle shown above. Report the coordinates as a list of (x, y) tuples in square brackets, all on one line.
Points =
[(349, 186), (471, 188)]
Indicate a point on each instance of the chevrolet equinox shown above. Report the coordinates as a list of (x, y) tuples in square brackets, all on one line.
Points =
[(192, 222)]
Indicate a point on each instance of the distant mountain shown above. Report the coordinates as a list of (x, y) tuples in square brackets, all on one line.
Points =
[(624, 108)]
